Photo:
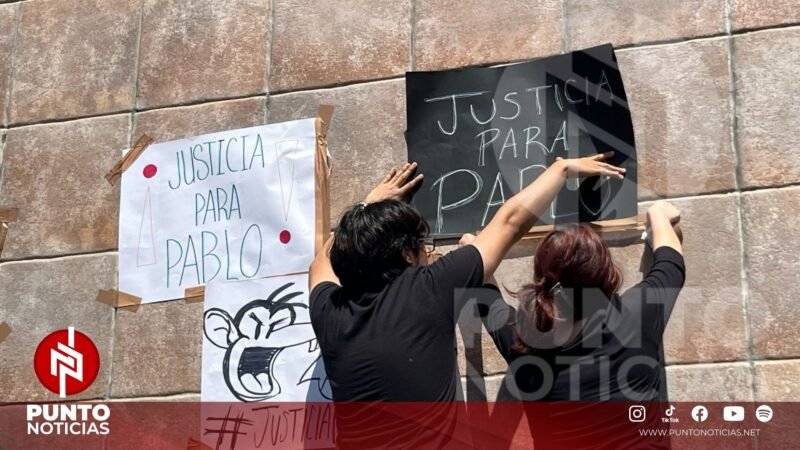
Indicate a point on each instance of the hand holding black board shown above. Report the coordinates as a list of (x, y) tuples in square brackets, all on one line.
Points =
[(482, 134)]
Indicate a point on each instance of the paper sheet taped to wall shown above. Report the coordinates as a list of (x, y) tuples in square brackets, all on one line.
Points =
[(481, 134), (225, 206), (259, 346)]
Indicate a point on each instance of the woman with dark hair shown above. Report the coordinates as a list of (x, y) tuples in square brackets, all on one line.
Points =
[(384, 318)]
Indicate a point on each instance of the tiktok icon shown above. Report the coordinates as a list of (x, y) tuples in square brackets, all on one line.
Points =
[(669, 413)]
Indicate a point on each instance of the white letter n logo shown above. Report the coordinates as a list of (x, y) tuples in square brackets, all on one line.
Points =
[(66, 361)]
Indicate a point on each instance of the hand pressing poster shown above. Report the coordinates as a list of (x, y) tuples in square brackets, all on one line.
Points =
[(227, 206)]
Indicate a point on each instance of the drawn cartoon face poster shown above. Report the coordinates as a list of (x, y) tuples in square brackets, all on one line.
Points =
[(258, 344), (222, 207), (262, 369)]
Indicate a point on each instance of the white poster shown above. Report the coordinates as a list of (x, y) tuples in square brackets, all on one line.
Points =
[(258, 344), (227, 206)]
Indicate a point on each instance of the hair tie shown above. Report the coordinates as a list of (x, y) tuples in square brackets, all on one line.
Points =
[(362, 204), (565, 309)]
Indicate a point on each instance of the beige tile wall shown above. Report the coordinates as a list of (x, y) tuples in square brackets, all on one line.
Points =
[(712, 85)]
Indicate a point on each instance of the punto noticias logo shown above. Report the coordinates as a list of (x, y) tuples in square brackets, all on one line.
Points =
[(66, 362)]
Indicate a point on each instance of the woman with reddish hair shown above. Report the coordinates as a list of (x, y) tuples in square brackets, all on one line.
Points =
[(385, 317), (575, 337)]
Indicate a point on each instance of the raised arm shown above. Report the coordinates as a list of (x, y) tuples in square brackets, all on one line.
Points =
[(521, 211), (321, 269), (661, 218), (395, 185), (497, 315), (658, 292)]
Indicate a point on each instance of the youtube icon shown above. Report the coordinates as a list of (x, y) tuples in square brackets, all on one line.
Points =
[(733, 413)]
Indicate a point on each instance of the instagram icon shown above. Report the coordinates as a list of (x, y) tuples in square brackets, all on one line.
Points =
[(636, 413)]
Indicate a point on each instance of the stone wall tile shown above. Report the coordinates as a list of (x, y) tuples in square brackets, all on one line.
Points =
[(74, 58), (772, 246), (157, 350), (177, 123), (625, 22), (40, 297), (767, 112), (193, 51), (763, 13), (457, 33), (324, 42), (679, 97), (54, 174)]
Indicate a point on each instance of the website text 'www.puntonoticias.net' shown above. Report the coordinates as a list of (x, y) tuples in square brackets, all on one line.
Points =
[(700, 432)]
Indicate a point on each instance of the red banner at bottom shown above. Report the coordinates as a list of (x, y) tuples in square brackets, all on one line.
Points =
[(512, 425)]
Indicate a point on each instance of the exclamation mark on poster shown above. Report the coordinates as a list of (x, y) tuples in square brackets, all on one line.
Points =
[(286, 180), (146, 248)]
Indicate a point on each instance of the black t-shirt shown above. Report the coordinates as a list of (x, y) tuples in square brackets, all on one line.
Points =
[(397, 344), (617, 355), (618, 352)]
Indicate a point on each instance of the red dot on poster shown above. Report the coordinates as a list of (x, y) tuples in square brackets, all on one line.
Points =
[(149, 171), (285, 237)]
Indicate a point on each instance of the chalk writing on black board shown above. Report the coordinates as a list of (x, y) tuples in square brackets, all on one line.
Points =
[(481, 135)]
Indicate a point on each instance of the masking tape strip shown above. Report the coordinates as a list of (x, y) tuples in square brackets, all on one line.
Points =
[(9, 215), (5, 330), (626, 223), (604, 228), (325, 113), (117, 299), (194, 294), (194, 444), (122, 165), (3, 233), (197, 294), (322, 177)]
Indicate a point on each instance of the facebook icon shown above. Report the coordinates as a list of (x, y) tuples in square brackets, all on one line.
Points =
[(699, 413)]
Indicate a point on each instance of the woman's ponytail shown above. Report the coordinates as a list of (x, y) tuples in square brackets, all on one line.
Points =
[(567, 262)]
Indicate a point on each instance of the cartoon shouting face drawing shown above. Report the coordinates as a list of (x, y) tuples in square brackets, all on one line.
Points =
[(263, 335)]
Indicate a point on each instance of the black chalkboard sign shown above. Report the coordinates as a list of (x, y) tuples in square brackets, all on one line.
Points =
[(481, 134)]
